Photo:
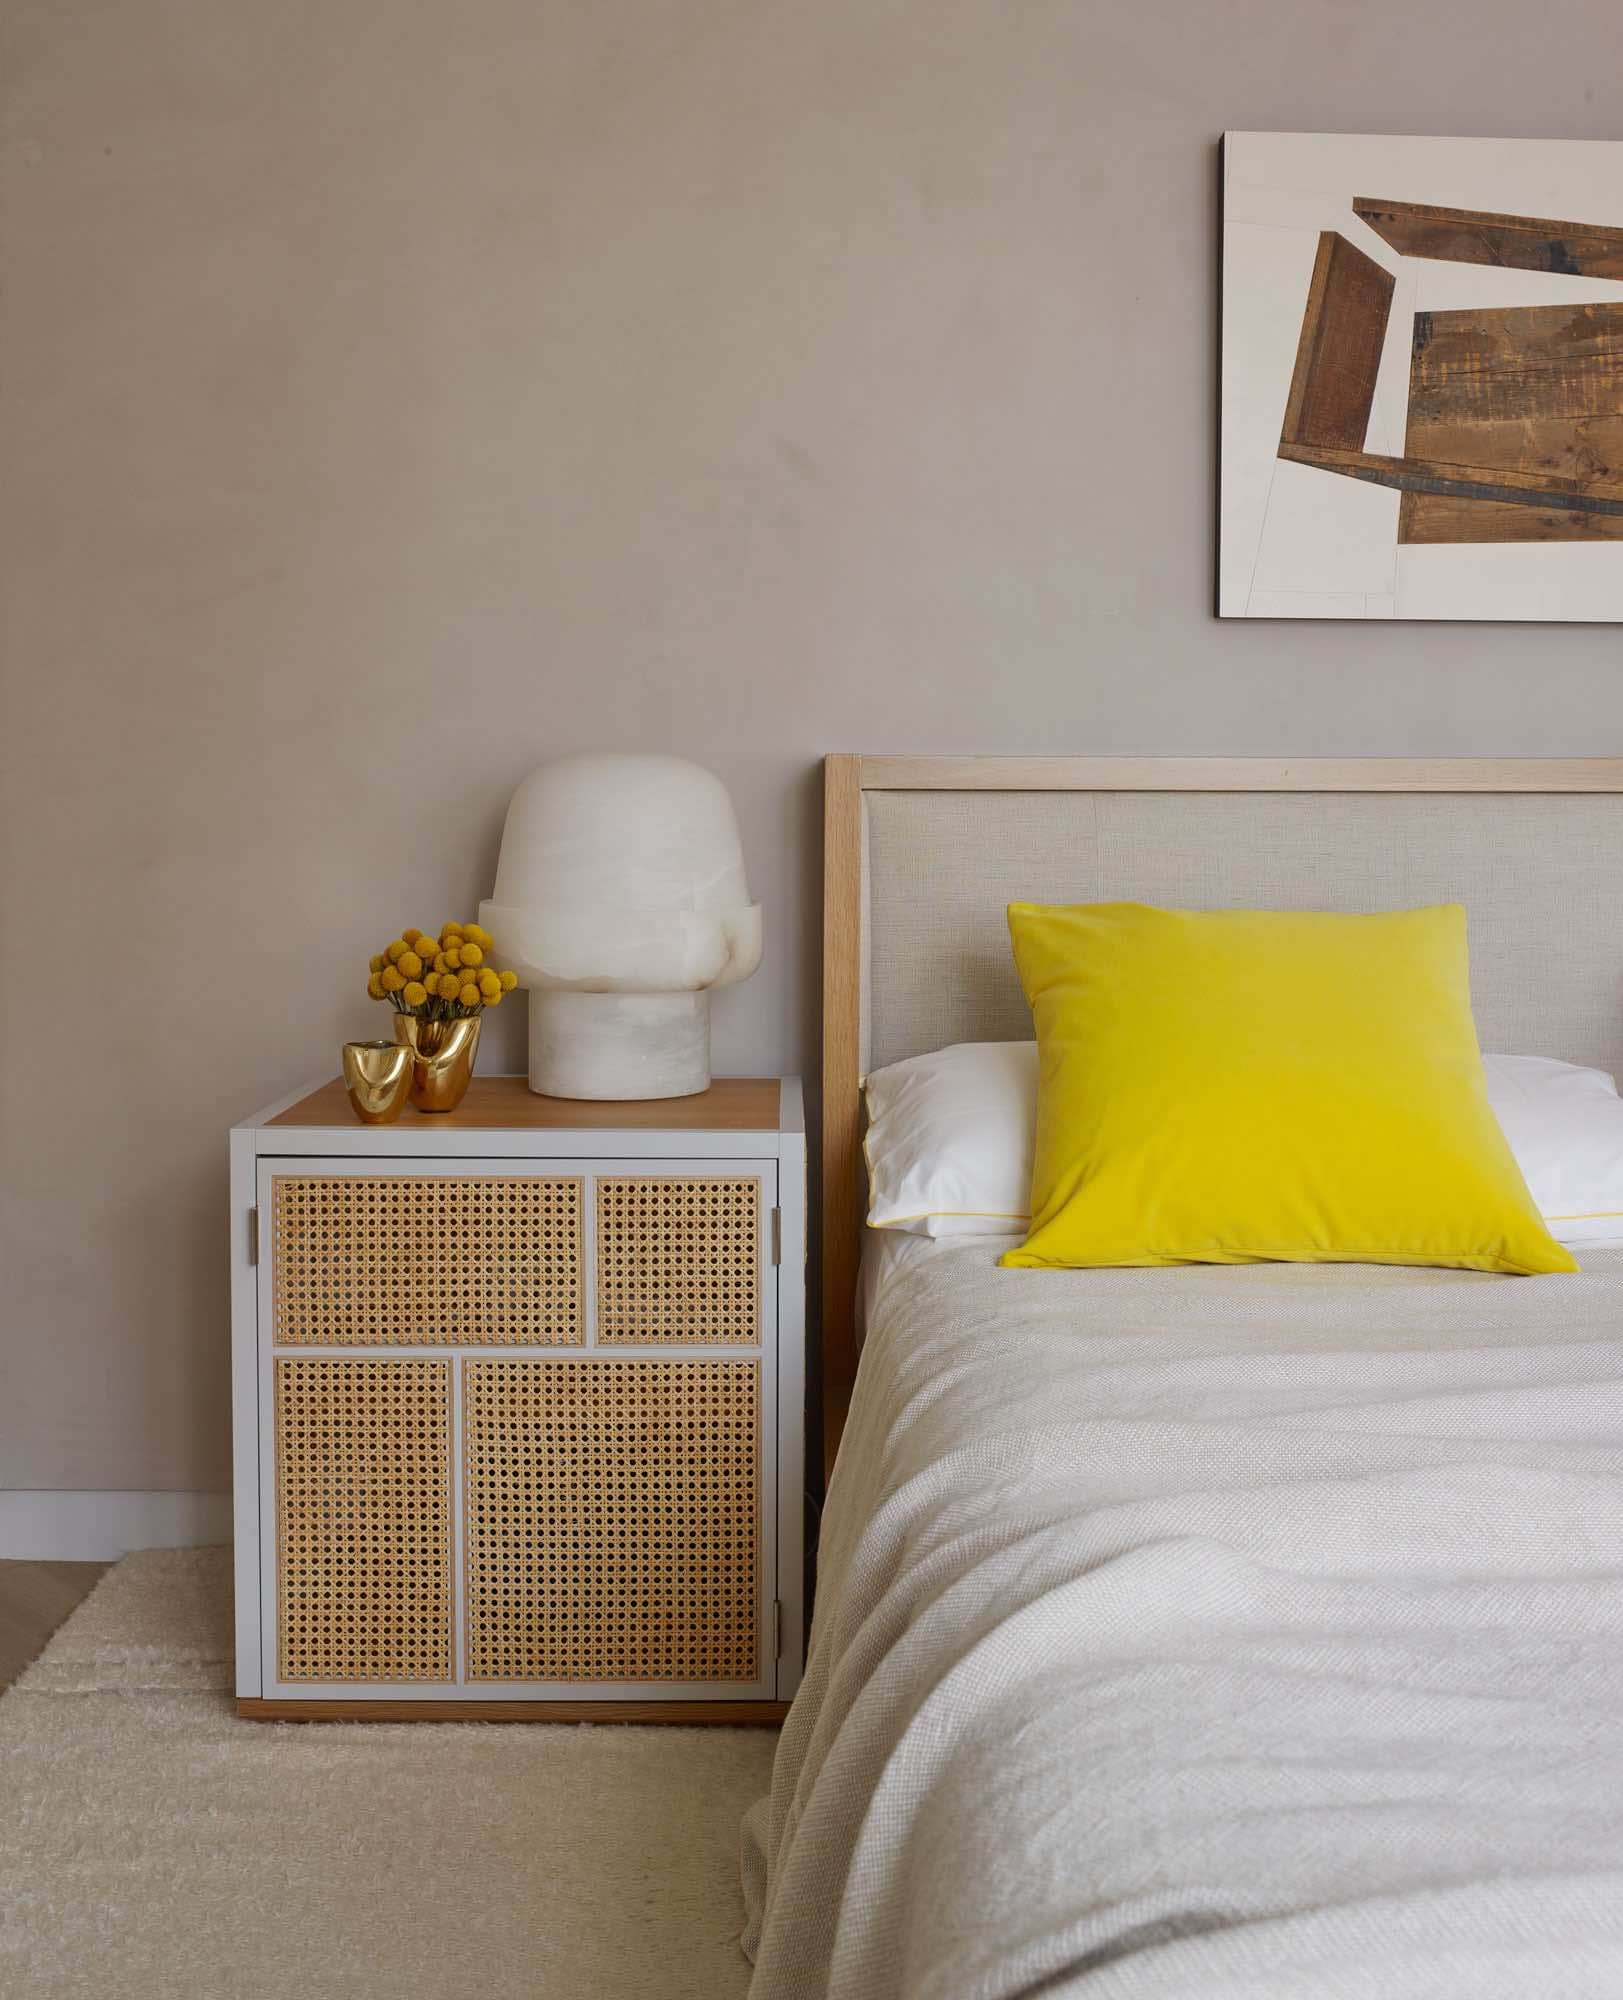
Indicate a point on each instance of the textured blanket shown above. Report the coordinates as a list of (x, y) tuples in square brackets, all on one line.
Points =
[(1254, 1631)]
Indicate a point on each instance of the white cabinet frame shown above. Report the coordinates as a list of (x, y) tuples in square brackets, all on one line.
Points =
[(262, 1151)]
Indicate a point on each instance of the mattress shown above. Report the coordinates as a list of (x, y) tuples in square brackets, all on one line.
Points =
[(1234, 1631)]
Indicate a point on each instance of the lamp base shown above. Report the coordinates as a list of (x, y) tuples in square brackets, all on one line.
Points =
[(618, 1045)]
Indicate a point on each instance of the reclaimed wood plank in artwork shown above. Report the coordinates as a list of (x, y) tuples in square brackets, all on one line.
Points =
[(1442, 517), (1479, 236), (1531, 399), (1509, 363), (1339, 351)]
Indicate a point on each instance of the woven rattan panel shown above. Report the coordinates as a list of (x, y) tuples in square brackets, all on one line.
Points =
[(678, 1260), (612, 1520), (363, 1520), (427, 1260)]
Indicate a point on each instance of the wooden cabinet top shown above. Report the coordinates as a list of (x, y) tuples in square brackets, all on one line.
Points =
[(506, 1103)]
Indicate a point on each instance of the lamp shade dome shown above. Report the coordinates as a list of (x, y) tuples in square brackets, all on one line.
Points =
[(621, 874), (621, 833)]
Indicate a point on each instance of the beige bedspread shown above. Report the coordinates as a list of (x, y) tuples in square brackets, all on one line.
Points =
[(1253, 1631)]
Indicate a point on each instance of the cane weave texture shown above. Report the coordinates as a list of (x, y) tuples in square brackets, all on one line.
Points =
[(427, 1260), (611, 1520), (678, 1260), (363, 1527)]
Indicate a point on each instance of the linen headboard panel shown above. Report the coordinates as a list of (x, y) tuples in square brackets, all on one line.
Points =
[(921, 854)]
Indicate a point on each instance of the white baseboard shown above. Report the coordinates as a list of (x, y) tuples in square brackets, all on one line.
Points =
[(42, 1526)]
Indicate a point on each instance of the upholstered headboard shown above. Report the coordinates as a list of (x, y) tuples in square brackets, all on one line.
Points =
[(922, 855)]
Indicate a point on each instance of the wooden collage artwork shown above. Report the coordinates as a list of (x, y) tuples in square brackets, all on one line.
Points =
[(1515, 413)]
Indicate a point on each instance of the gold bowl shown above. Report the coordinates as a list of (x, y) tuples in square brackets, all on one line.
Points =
[(443, 1055), (377, 1076)]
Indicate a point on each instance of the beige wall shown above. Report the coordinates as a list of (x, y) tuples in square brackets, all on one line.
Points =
[(397, 394)]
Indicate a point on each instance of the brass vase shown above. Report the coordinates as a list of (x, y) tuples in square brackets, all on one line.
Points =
[(377, 1076), (442, 1058)]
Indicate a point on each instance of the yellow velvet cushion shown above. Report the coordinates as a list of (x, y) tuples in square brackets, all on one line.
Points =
[(1228, 1086)]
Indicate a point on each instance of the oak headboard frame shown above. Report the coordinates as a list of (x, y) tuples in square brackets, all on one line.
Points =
[(847, 778)]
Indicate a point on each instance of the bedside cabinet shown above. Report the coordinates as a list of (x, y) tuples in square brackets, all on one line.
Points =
[(518, 1404)]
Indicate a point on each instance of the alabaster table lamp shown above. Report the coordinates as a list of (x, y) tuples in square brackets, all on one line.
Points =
[(621, 902)]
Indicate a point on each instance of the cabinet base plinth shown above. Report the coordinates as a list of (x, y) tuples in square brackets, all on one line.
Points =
[(740, 1714)]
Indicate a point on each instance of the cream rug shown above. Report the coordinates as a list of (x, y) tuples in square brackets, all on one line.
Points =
[(153, 1845)]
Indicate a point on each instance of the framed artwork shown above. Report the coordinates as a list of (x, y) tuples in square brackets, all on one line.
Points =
[(1422, 378)]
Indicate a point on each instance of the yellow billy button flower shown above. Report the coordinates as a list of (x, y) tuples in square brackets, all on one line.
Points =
[(410, 934), (472, 955), (410, 964), (374, 987), (469, 996), (376, 962), (415, 993), (441, 963), (449, 931), (391, 979), (450, 986), (495, 1000), (392, 951), (509, 981), (480, 936), (453, 956), (489, 985)]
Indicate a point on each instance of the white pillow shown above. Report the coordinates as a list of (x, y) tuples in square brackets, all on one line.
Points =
[(950, 1138), (1565, 1126)]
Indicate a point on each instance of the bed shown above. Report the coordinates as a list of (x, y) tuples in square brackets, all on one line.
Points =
[(1205, 1631)]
